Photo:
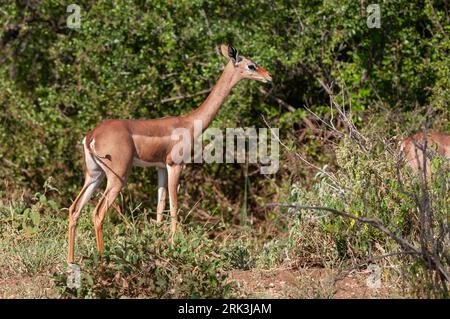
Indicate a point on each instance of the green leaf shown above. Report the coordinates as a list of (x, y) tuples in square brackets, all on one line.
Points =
[(35, 217)]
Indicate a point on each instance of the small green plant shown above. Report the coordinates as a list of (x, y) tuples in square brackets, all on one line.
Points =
[(239, 255), (274, 252)]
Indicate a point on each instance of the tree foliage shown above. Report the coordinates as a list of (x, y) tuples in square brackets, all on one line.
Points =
[(128, 57)]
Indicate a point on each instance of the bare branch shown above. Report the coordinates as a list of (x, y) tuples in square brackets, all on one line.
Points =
[(409, 248), (373, 222), (301, 157), (277, 100), (184, 97)]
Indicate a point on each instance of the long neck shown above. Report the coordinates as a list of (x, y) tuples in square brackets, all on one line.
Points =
[(206, 112)]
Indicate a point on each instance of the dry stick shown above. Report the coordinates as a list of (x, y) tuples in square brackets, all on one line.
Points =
[(345, 272), (119, 211), (12, 164), (374, 222), (183, 97), (298, 155), (426, 215), (329, 125), (191, 210), (425, 251), (341, 111), (436, 19), (287, 106), (210, 33), (377, 224), (279, 101)]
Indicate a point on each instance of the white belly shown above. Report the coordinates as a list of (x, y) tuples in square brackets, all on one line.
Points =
[(141, 163)]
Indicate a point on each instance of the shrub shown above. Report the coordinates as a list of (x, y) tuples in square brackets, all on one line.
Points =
[(145, 264), (239, 254), (368, 183)]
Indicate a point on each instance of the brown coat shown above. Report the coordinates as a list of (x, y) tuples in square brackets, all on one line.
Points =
[(412, 148)]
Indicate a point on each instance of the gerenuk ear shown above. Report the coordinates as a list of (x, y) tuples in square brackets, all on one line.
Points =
[(233, 54), (229, 52), (224, 50)]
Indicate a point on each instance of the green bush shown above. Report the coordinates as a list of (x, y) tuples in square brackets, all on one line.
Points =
[(146, 265), (372, 182), (239, 254), (125, 59)]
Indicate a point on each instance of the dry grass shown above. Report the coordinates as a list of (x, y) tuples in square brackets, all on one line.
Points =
[(310, 283)]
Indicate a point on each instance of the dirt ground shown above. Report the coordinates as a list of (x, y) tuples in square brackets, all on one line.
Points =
[(308, 283), (255, 283), (39, 286)]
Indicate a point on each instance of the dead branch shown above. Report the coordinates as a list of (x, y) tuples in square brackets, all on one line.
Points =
[(277, 100), (332, 177), (184, 97)]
